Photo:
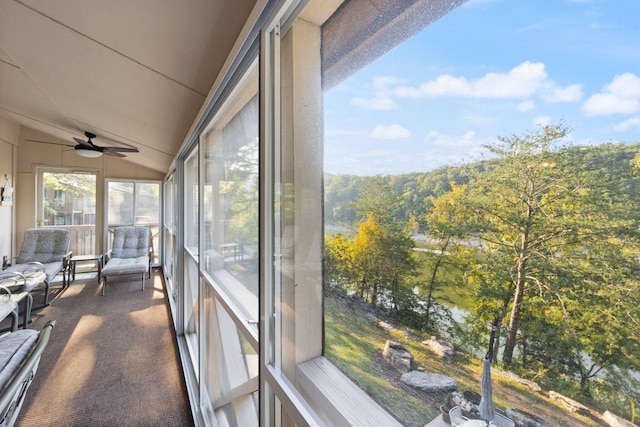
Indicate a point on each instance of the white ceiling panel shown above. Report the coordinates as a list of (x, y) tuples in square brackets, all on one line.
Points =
[(162, 35), (133, 72)]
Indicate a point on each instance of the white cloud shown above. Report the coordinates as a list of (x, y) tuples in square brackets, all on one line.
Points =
[(628, 124), (625, 85), (571, 93), (525, 106), (390, 132), (381, 100), (621, 96), (606, 104), (521, 82), (382, 84), (378, 104), (444, 85), (452, 149), (467, 140), (543, 121)]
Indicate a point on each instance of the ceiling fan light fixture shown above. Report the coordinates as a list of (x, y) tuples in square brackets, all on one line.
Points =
[(89, 153)]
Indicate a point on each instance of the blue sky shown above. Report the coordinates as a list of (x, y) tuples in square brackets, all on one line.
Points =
[(490, 68)]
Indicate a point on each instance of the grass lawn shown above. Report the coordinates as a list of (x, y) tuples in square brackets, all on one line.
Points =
[(352, 342)]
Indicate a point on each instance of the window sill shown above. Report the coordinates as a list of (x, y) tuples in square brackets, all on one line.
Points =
[(336, 398)]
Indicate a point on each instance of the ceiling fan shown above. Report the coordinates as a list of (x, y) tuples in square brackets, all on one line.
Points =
[(89, 149)]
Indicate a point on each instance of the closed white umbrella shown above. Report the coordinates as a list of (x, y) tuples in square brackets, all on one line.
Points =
[(487, 411)]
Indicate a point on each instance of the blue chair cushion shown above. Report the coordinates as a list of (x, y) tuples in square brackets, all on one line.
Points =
[(117, 266), (14, 348)]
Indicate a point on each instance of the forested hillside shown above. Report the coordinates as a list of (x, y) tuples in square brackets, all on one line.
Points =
[(417, 189), (544, 242)]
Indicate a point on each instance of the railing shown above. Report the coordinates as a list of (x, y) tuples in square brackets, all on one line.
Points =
[(83, 239)]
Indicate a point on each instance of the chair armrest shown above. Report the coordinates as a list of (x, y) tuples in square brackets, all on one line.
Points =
[(106, 256), (66, 258), (33, 267), (12, 281), (6, 290)]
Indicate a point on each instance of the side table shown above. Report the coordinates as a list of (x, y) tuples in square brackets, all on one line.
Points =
[(97, 258)]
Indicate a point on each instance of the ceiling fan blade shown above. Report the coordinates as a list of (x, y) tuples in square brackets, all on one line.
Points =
[(48, 142), (118, 149), (83, 142), (111, 153)]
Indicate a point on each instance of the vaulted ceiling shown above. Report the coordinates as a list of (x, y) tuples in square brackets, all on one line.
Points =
[(135, 73)]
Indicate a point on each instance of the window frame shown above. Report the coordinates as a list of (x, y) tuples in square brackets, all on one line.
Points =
[(291, 391)]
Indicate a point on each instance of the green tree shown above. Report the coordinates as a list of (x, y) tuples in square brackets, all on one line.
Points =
[(73, 185), (548, 219), (383, 246), (446, 225), (378, 263)]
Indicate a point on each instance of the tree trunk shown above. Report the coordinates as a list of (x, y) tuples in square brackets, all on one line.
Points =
[(374, 294), (432, 284), (512, 333), (494, 338)]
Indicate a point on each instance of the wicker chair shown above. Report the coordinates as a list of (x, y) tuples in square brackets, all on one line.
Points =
[(500, 420), (130, 254), (455, 414)]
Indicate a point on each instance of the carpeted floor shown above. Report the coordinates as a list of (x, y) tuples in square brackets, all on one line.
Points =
[(110, 361)]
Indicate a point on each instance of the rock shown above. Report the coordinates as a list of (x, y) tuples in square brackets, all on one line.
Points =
[(570, 404), (385, 326), (525, 419), (472, 396), (615, 421), (532, 385), (440, 347), (429, 382), (398, 356)]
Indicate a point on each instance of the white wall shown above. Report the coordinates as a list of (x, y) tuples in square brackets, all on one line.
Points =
[(31, 155), (9, 133)]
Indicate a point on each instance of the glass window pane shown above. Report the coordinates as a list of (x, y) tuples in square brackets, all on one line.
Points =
[(147, 203), (191, 206), (231, 367), (120, 196), (476, 218), (69, 199), (231, 197)]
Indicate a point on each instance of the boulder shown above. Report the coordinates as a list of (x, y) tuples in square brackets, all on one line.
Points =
[(472, 396), (429, 382), (525, 419), (398, 356), (532, 385), (385, 326), (569, 403), (440, 347), (615, 421)]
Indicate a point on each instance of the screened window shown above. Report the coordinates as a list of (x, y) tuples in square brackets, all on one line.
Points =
[(68, 200), (231, 197), (229, 257), (135, 203)]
